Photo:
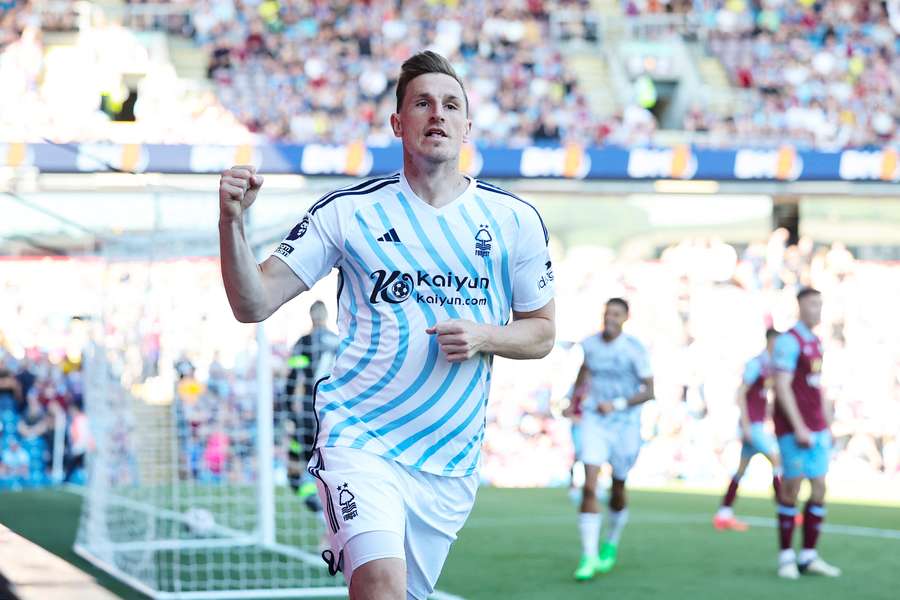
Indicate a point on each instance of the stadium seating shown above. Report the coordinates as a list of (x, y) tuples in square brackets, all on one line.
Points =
[(818, 75)]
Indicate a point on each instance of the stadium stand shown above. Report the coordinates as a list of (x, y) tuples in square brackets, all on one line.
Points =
[(816, 74), (823, 74)]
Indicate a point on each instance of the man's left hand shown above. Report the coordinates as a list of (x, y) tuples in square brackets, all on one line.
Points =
[(459, 340)]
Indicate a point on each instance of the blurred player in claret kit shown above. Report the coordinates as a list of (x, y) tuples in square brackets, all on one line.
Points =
[(802, 419), (618, 368), (431, 265), (753, 400)]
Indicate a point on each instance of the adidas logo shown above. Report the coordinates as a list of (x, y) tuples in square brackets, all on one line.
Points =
[(390, 236)]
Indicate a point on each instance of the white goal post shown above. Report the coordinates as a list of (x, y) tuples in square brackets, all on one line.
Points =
[(187, 495)]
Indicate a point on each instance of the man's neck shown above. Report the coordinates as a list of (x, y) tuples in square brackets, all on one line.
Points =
[(437, 184), (609, 337)]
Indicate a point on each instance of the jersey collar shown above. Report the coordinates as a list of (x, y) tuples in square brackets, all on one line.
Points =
[(804, 331), (416, 200)]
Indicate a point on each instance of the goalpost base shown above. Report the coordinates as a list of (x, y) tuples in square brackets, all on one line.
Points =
[(323, 592)]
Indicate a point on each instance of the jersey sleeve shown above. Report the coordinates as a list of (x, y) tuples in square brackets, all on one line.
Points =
[(532, 278), (312, 247), (752, 371), (786, 353), (641, 361)]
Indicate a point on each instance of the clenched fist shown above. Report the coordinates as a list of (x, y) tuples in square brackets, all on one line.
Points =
[(237, 190), (459, 339)]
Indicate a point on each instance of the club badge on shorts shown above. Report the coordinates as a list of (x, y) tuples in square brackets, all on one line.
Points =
[(347, 501)]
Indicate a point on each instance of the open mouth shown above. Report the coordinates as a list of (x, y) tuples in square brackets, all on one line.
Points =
[(435, 132)]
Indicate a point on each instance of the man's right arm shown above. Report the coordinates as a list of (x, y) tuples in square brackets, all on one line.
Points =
[(786, 355), (578, 391), (254, 291), (745, 415), (784, 395), (752, 372)]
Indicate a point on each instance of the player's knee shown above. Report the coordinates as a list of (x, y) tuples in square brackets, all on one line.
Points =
[(817, 490), (589, 493), (790, 488)]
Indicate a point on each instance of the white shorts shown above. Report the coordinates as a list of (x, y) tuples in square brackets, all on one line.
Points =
[(416, 514), (609, 441)]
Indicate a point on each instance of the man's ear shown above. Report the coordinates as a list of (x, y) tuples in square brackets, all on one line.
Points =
[(395, 125), (468, 132)]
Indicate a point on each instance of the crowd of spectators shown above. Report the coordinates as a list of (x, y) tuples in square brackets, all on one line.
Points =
[(701, 308), (820, 74), (41, 405), (309, 71)]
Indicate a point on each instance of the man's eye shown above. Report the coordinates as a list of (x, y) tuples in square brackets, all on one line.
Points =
[(453, 106)]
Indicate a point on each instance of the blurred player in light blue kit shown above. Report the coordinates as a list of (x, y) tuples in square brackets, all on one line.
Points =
[(753, 400), (617, 367)]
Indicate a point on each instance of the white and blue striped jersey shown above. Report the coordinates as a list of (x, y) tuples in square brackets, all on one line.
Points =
[(617, 369), (404, 266)]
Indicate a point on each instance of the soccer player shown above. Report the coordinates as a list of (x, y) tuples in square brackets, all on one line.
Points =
[(431, 264), (753, 400), (618, 368), (802, 418), (311, 358)]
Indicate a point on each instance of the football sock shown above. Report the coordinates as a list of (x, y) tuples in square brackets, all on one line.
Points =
[(617, 521), (786, 514), (812, 522), (731, 494), (589, 527)]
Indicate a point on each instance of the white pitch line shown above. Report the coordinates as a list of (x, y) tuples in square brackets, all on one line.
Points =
[(676, 519), (439, 595)]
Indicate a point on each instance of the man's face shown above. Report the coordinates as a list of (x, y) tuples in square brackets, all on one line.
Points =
[(614, 318), (432, 121), (318, 314), (811, 309)]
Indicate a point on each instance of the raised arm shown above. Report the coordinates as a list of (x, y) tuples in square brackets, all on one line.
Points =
[(254, 291)]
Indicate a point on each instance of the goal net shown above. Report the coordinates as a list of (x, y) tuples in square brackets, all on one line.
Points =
[(193, 489)]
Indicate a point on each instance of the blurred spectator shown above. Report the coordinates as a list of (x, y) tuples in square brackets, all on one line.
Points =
[(80, 443), (15, 463), (10, 385), (35, 422)]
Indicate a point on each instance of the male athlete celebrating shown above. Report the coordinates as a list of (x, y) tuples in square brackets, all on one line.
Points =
[(753, 400), (801, 424), (431, 263), (618, 368)]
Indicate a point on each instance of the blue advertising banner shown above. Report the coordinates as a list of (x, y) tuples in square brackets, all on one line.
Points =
[(571, 162)]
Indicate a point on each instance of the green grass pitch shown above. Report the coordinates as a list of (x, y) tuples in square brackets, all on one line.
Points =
[(523, 545)]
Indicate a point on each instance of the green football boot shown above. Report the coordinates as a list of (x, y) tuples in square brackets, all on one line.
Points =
[(607, 559), (587, 568)]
